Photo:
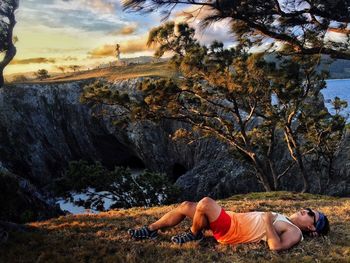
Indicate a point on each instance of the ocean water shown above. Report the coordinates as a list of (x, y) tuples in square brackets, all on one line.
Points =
[(337, 88)]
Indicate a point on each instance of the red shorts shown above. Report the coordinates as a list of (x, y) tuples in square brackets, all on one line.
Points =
[(221, 225)]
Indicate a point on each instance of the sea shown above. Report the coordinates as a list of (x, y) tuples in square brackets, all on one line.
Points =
[(335, 88)]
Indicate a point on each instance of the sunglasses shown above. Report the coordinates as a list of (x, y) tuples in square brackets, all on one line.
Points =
[(312, 214)]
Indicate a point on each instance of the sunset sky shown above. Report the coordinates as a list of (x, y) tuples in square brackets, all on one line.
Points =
[(56, 33)]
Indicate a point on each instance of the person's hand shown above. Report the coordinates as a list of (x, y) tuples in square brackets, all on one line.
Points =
[(313, 234), (268, 217)]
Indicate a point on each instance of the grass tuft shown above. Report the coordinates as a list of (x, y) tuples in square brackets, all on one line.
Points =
[(103, 237)]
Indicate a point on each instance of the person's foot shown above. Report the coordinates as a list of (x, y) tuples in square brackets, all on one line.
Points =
[(188, 236), (143, 233)]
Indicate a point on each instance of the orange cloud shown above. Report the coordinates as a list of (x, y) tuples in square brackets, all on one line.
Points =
[(127, 30), (105, 51), (32, 61), (126, 47)]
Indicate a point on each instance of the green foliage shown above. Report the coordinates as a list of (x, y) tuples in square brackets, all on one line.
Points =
[(42, 74), (339, 105), (241, 99), (120, 186)]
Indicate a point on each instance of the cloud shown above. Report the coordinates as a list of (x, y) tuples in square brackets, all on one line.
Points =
[(100, 6), (105, 51), (219, 31), (41, 60), (126, 47), (32, 61), (127, 30)]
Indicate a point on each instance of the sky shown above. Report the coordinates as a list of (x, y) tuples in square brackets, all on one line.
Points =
[(60, 33)]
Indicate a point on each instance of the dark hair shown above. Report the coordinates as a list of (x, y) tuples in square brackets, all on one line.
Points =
[(325, 230), (322, 231)]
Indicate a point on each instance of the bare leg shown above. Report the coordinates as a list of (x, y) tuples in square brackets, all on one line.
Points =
[(207, 211), (175, 216)]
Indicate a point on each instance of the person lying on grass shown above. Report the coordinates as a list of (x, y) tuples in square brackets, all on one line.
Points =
[(279, 231)]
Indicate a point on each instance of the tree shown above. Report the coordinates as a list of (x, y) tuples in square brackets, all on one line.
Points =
[(61, 68), (339, 105), (120, 187), (237, 97), (42, 74), (7, 24), (19, 79), (74, 67), (303, 26)]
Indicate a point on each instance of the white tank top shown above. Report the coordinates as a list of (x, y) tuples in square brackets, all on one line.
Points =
[(283, 218)]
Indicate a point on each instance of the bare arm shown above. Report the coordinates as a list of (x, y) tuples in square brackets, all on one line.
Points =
[(278, 242)]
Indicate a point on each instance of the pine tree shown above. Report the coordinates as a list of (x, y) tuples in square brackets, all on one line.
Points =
[(234, 96)]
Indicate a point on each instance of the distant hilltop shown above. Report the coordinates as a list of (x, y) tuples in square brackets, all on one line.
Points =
[(148, 66), (132, 61), (338, 68)]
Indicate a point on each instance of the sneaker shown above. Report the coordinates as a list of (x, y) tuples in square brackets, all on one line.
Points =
[(143, 233), (188, 236)]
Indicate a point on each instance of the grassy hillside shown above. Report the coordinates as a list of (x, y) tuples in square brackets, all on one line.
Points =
[(118, 72), (338, 69), (112, 73), (103, 237)]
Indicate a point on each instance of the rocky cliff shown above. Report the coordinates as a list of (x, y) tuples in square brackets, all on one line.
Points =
[(44, 126)]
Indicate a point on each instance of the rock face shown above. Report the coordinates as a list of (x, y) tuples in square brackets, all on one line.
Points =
[(21, 201), (43, 127), (339, 182)]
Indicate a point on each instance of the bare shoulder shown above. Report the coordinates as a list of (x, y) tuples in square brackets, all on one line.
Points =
[(289, 235), (288, 231)]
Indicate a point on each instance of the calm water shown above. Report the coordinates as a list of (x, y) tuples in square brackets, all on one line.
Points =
[(339, 88)]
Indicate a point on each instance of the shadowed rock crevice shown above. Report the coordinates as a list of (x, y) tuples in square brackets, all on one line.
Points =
[(178, 170)]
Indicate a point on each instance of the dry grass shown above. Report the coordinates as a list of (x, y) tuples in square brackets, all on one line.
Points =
[(103, 237), (114, 73)]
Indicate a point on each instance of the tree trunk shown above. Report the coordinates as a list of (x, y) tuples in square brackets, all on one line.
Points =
[(263, 175), (270, 158), (10, 53), (294, 149), (1, 77), (274, 174), (11, 50), (303, 172)]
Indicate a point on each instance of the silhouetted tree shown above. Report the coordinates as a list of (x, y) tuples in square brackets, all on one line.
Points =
[(74, 67), (42, 74), (19, 79), (339, 105), (7, 23), (301, 25), (61, 68)]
